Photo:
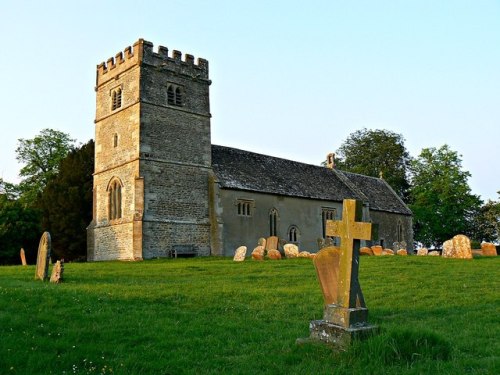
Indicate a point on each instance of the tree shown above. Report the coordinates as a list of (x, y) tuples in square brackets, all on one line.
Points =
[(440, 197), (487, 222), (374, 153), (66, 203), (19, 227), (41, 156)]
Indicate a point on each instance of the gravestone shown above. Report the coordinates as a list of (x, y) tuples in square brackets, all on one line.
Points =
[(423, 251), (457, 247), (258, 253), (272, 243), (57, 272), (43, 257), (262, 242), (23, 257), (345, 314), (240, 253), (488, 249), (377, 250), (291, 250), (274, 254)]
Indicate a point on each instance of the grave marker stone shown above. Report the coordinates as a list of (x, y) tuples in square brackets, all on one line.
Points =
[(240, 253), (345, 315), (57, 272), (43, 257), (272, 243), (23, 257), (291, 250)]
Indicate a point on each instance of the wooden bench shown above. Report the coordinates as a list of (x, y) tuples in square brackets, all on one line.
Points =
[(183, 251)]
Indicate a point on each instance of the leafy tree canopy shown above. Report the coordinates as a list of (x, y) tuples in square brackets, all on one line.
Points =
[(41, 157), (487, 222), (19, 227), (375, 152), (67, 203), (441, 200)]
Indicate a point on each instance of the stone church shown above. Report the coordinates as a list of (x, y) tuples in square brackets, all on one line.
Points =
[(161, 188)]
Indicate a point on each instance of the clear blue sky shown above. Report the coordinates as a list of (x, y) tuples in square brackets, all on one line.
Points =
[(290, 78)]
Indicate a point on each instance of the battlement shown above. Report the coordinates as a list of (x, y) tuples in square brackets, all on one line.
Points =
[(142, 52)]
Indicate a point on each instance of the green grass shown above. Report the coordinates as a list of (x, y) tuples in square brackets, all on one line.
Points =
[(212, 316)]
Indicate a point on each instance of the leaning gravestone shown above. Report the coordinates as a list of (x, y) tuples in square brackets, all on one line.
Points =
[(23, 257), (345, 315), (239, 255), (43, 257)]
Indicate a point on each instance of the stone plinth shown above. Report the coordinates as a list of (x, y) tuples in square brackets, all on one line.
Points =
[(340, 337)]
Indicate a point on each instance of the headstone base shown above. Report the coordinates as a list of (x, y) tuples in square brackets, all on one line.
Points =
[(339, 336), (344, 316)]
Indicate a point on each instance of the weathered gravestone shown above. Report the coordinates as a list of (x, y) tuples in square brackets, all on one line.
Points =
[(272, 243), (457, 247), (258, 253), (291, 250), (43, 257), (345, 315), (239, 255), (57, 272), (488, 249), (23, 257)]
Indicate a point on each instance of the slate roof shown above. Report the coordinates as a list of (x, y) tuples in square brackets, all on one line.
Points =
[(249, 171)]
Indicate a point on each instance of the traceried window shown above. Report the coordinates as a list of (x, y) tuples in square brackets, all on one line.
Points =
[(244, 207), (115, 199), (116, 98), (293, 234), (327, 214), (175, 95), (273, 222)]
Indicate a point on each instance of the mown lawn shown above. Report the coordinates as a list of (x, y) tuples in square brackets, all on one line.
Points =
[(212, 316)]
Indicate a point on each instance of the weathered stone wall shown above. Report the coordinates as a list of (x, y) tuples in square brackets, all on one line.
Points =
[(388, 228), (162, 237), (113, 242), (305, 214)]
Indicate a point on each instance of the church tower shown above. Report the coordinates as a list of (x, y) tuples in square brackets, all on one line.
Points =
[(152, 155)]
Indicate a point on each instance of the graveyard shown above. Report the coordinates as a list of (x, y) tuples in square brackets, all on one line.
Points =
[(214, 315)]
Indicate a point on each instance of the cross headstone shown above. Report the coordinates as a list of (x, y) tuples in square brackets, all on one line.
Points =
[(23, 257), (42, 260), (345, 315)]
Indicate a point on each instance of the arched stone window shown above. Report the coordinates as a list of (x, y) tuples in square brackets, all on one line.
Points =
[(116, 98), (170, 95), (175, 95), (273, 222), (293, 234), (178, 96), (114, 199), (400, 231)]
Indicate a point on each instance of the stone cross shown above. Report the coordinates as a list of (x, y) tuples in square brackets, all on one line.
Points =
[(350, 230), (42, 260), (345, 315)]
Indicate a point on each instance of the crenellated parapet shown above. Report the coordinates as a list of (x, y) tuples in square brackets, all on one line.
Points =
[(142, 53)]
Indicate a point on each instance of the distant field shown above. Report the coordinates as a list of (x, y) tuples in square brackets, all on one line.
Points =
[(212, 316)]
